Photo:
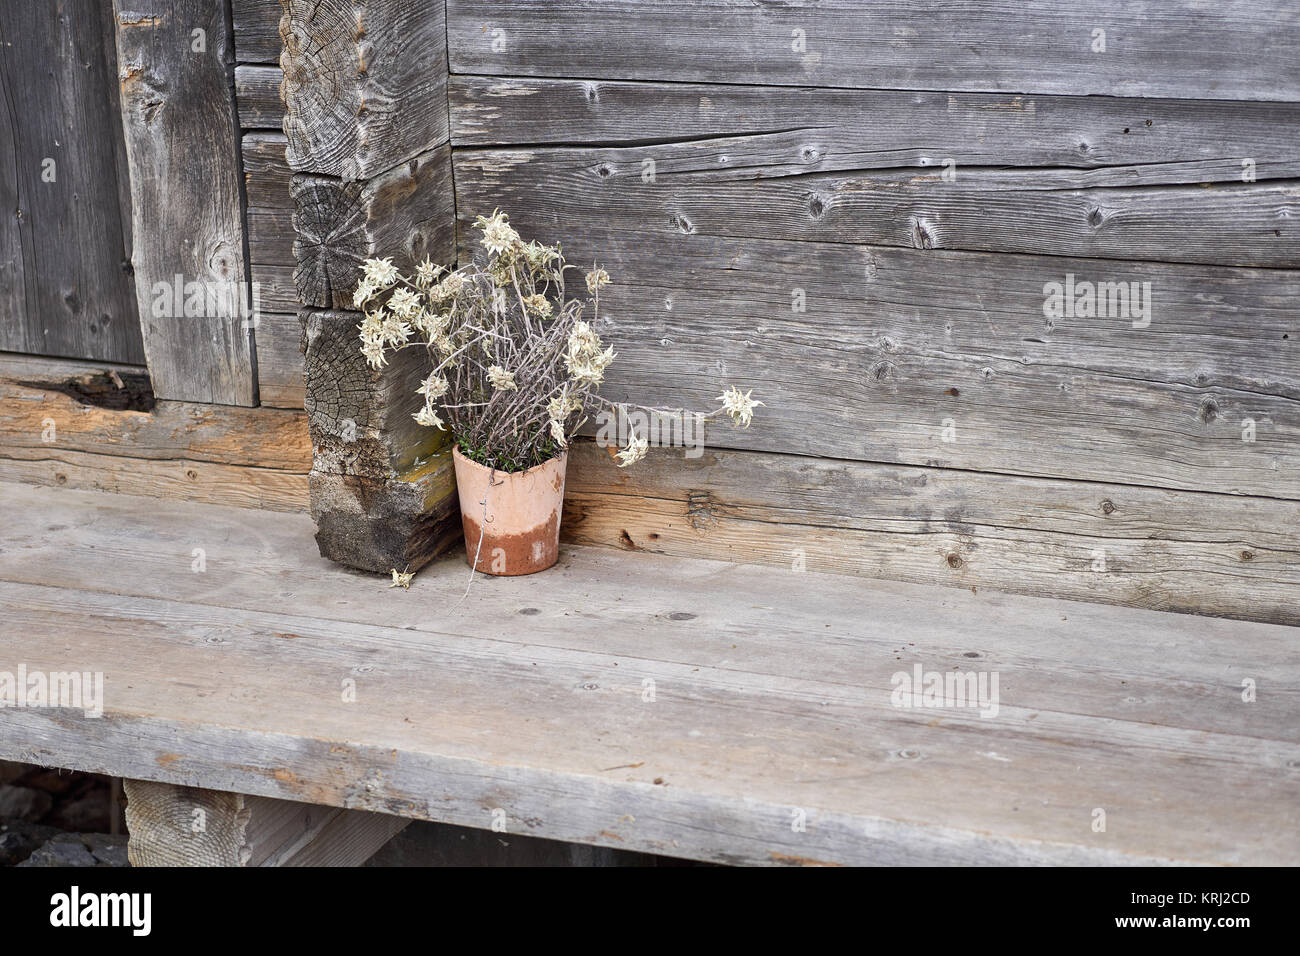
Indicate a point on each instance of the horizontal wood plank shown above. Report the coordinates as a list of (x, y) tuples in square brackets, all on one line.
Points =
[(257, 30), (257, 95), (1133, 711), (275, 290), (279, 359), (947, 359), (1240, 50), (1118, 544), (694, 188), (52, 434), (182, 479), (776, 131)]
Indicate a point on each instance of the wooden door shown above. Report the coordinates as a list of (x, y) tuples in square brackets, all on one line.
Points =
[(65, 266)]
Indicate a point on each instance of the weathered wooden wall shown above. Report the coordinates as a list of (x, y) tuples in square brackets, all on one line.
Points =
[(843, 207), (734, 163), (65, 279)]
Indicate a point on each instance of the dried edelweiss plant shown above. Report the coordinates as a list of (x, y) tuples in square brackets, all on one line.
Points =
[(516, 368)]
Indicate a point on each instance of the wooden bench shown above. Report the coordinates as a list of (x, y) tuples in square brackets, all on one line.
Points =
[(683, 707)]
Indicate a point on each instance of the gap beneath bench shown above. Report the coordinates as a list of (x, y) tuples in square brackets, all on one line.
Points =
[(683, 707)]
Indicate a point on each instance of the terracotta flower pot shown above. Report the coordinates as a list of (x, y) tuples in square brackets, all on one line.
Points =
[(520, 522)]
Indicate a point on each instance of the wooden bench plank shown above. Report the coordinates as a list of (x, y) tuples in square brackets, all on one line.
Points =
[(772, 696)]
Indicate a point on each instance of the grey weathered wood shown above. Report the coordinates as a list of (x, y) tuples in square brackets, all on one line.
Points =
[(361, 417), (776, 131), (382, 487), (65, 285), (1135, 712), (276, 291), (365, 88), (1085, 541), (895, 342), (187, 202), (407, 213), (366, 116), (696, 191), (266, 173), (257, 30), (397, 523), (1242, 50), (280, 360), (190, 826), (257, 93), (269, 549), (269, 218)]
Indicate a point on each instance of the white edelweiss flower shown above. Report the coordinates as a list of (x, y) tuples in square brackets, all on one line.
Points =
[(563, 405), (404, 302), (539, 256), (557, 432), (365, 292), (583, 340), (584, 358), (380, 272), (433, 387), (538, 304), (636, 450), (451, 285), (396, 332), (426, 272), (739, 405), (427, 416), (374, 354), (501, 379), (596, 280), (601, 360), (498, 234)]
